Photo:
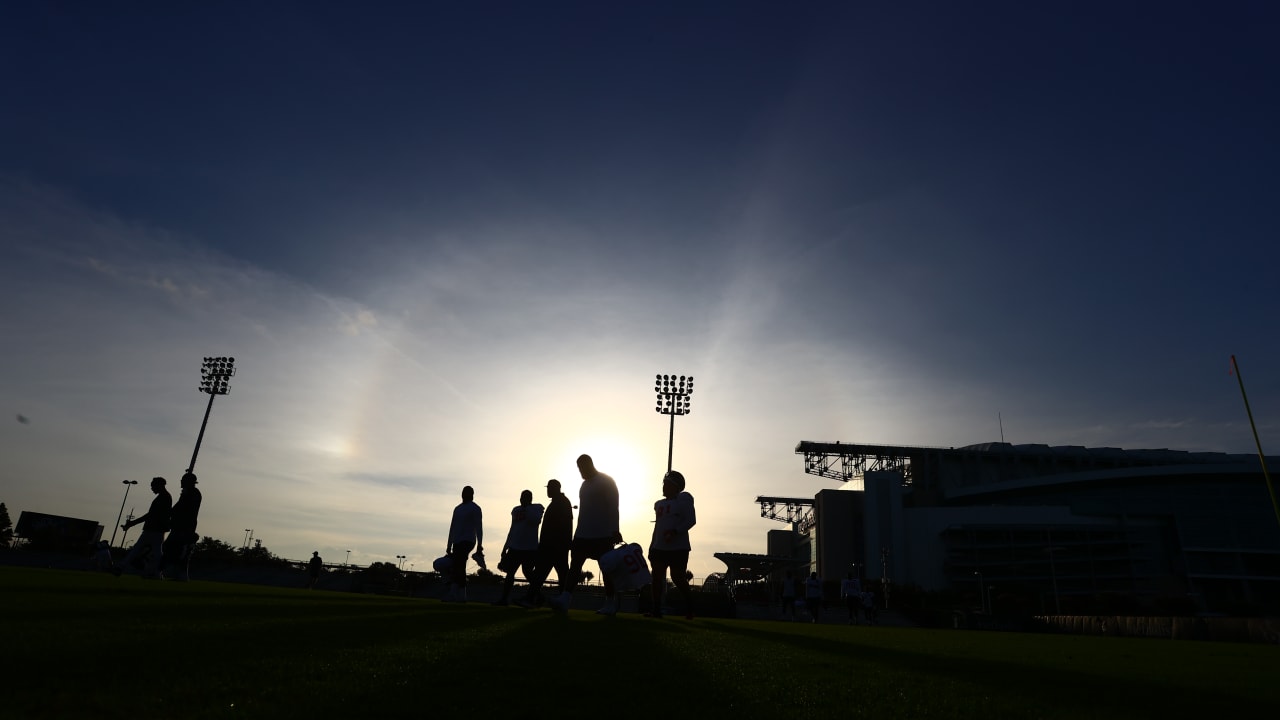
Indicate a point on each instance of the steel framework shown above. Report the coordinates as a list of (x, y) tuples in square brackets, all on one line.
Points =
[(793, 511), (847, 462)]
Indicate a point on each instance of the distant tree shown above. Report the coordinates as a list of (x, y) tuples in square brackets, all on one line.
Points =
[(6, 526), (260, 555), (380, 577), (216, 551)]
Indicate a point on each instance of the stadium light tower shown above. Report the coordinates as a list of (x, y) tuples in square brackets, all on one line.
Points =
[(215, 374), (120, 514), (673, 399)]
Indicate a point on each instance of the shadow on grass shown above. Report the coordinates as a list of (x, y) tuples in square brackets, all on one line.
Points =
[(1072, 693)]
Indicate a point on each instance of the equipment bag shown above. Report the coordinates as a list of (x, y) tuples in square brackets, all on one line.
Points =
[(625, 567)]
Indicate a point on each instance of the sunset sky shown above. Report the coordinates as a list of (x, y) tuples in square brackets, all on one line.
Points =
[(451, 244)]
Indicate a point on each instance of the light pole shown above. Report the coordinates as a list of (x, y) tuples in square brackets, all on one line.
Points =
[(673, 399), (120, 514), (348, 562), (1053, 573), (214, 376), (400, 564), (884, 574), (247, 533), (982, 591)]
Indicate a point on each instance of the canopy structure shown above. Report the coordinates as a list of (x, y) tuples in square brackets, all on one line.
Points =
[(744, 567)]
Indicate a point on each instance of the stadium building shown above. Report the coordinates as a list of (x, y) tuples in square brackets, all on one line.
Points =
[(1038, 529)]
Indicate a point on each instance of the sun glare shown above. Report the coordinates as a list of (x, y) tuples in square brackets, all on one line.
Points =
[(639, 481)]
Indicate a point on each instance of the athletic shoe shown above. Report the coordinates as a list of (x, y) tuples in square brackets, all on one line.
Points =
[(560, 603), (610, 607)]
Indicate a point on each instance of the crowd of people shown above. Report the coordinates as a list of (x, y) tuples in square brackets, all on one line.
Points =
[(539, 540), (566, 549)]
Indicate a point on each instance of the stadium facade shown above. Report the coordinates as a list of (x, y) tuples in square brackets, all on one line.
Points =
[(1040, 529)]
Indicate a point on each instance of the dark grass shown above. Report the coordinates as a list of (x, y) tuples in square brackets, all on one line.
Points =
[(85, 645)]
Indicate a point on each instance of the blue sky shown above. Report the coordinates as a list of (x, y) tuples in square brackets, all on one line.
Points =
[(453, 243)]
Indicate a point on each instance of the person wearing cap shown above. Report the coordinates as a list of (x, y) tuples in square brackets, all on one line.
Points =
[(182, 531), (669, 548), (521, 548), (154, 525), (466, 531), (314, 566), (553, 545)]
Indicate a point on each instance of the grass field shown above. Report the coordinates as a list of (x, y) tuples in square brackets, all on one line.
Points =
[(85, 645)]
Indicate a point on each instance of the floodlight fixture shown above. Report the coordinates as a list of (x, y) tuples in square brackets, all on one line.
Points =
[(673, 393), (215, 379)]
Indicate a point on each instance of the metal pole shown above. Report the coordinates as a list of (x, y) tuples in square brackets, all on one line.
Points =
[(1053, 572), (120, 514), (200, 438), (671, 441), (1261, 458), (125, 537)]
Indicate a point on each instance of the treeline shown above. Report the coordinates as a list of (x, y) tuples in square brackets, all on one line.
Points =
[(213, 551)]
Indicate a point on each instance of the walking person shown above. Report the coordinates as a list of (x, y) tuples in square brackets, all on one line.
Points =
[(669, 548), (314, 567), (789, 596), (851, 591), (553, 545), (596, 535), (813, 596), (466, 531), (182, 531), (154, 525), (521, 548)]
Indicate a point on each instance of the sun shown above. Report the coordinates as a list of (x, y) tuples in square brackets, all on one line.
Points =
[(639, 480)]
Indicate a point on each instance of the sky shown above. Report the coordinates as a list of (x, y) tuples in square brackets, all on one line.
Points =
[(452, 244)]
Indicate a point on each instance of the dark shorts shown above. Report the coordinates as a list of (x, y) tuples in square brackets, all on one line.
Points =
[(676, 560), (593, 548)]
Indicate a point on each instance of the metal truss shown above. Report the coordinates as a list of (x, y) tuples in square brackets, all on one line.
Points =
[(793, 511), (847, 462)]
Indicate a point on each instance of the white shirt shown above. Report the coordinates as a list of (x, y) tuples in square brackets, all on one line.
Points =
[(597, 508), (467, 525), (523, 534), (672, 519), (851, 587), (813, 588)]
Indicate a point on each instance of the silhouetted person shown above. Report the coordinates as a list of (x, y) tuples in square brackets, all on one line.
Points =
[(100, 556), (466, 531), (813, 596), (553, 545), (596, 535), (154, 525), (314, 567), (182, 531), (669, 549), (851, 591), (521, 548), (789, 595)]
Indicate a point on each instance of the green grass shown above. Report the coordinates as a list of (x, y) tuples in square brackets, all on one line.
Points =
[(85, 645)]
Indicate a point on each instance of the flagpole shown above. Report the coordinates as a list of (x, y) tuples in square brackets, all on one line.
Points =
[(1262, 458)]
